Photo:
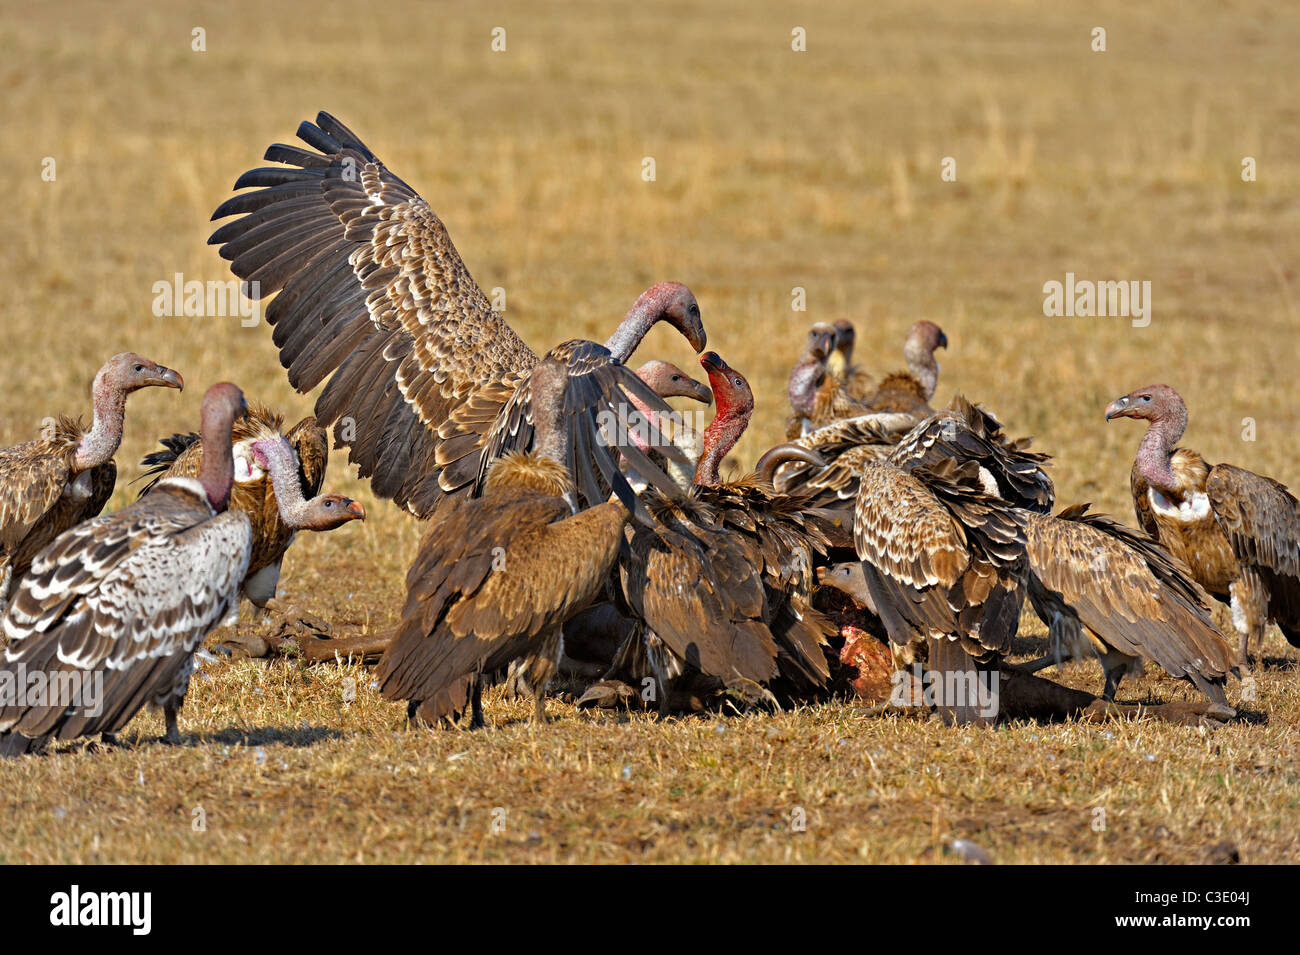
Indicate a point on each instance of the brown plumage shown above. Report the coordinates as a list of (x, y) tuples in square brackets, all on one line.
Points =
[(909, 392), (497, 576), (66, 476), (1237, 531), (1100, 586), (122, 602), (721, 583), (427, 383)]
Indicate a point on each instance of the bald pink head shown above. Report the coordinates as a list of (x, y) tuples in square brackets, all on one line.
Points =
[(670, 302), (669, 381)]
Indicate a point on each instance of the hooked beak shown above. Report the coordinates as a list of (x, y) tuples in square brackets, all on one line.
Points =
[(943, 341), (712, 361), (357, 508), (700, 392), (168, 378), (1118, 408)]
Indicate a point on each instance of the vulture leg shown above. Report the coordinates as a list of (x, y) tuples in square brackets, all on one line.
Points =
[(170, 710), (1249, 612), (476, 721), (1116, 666)]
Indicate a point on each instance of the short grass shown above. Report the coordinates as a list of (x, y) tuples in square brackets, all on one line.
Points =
[(775, 170)]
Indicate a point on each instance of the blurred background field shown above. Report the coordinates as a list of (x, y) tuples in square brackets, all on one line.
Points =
[(775, 170)]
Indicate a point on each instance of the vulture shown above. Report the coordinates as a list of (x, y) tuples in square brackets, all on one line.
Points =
[(278, 501), (66, 476), (497, 576), (854, 379), (817, 397), (719, 584), (909, 392), (1238, 532), (427, 383), (112, 611), (669, 381), (1102, 587)]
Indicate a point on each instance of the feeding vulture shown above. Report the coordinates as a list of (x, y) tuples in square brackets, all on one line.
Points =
[(66, 476), (112, 611), (1238, 532), (427, 383), (278, 505)]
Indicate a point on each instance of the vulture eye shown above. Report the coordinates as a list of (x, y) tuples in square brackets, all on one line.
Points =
[(677, 377), (736, 382), (695, 311), (1146, 397), (139, 368)]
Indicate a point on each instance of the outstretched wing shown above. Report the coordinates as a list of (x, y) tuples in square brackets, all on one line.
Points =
[(373, 295)]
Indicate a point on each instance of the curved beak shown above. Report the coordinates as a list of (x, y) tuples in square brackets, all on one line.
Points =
[(168, 378), (712, 361), (1118, 408), (943, 340), (696, 335), (358, 509), (697, 390)]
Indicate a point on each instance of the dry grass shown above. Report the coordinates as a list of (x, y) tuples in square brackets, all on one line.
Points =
[(774, 170)]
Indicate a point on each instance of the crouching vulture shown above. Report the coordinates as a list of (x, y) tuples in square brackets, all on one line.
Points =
[(1238, 531), (497, 576), (719, 584), (427, 383), (112, 611), (279, 492), (66, 476)]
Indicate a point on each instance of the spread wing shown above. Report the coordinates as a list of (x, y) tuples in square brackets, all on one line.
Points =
[(492, 578), (373, 295), (1261, 519), (1128, 591), (128, 595)]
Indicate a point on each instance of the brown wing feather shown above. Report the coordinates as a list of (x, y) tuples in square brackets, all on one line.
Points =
[(312, 443), (1128, 591), (494, 575), (1261, 519), (374, 294)]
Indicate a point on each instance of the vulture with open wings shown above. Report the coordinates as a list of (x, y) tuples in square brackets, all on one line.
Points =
[(427, 383)]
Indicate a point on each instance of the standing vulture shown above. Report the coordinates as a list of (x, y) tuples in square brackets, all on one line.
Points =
[(854, 379), (66, 476), (112, 611), (1238, 531), (263, 495), (817, 397), (909, 392), (1100, 586), (427, 383), (497, 576)]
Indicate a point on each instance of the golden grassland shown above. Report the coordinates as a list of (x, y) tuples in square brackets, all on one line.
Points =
[(774, 170)]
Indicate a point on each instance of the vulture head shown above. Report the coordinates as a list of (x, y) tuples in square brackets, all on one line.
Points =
[(1152, 403), (670, 302), (848, 578), (730, 390), (323, 512), (669, 381), (328, 511), (130, 372), (823, 339), (845, 337)]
